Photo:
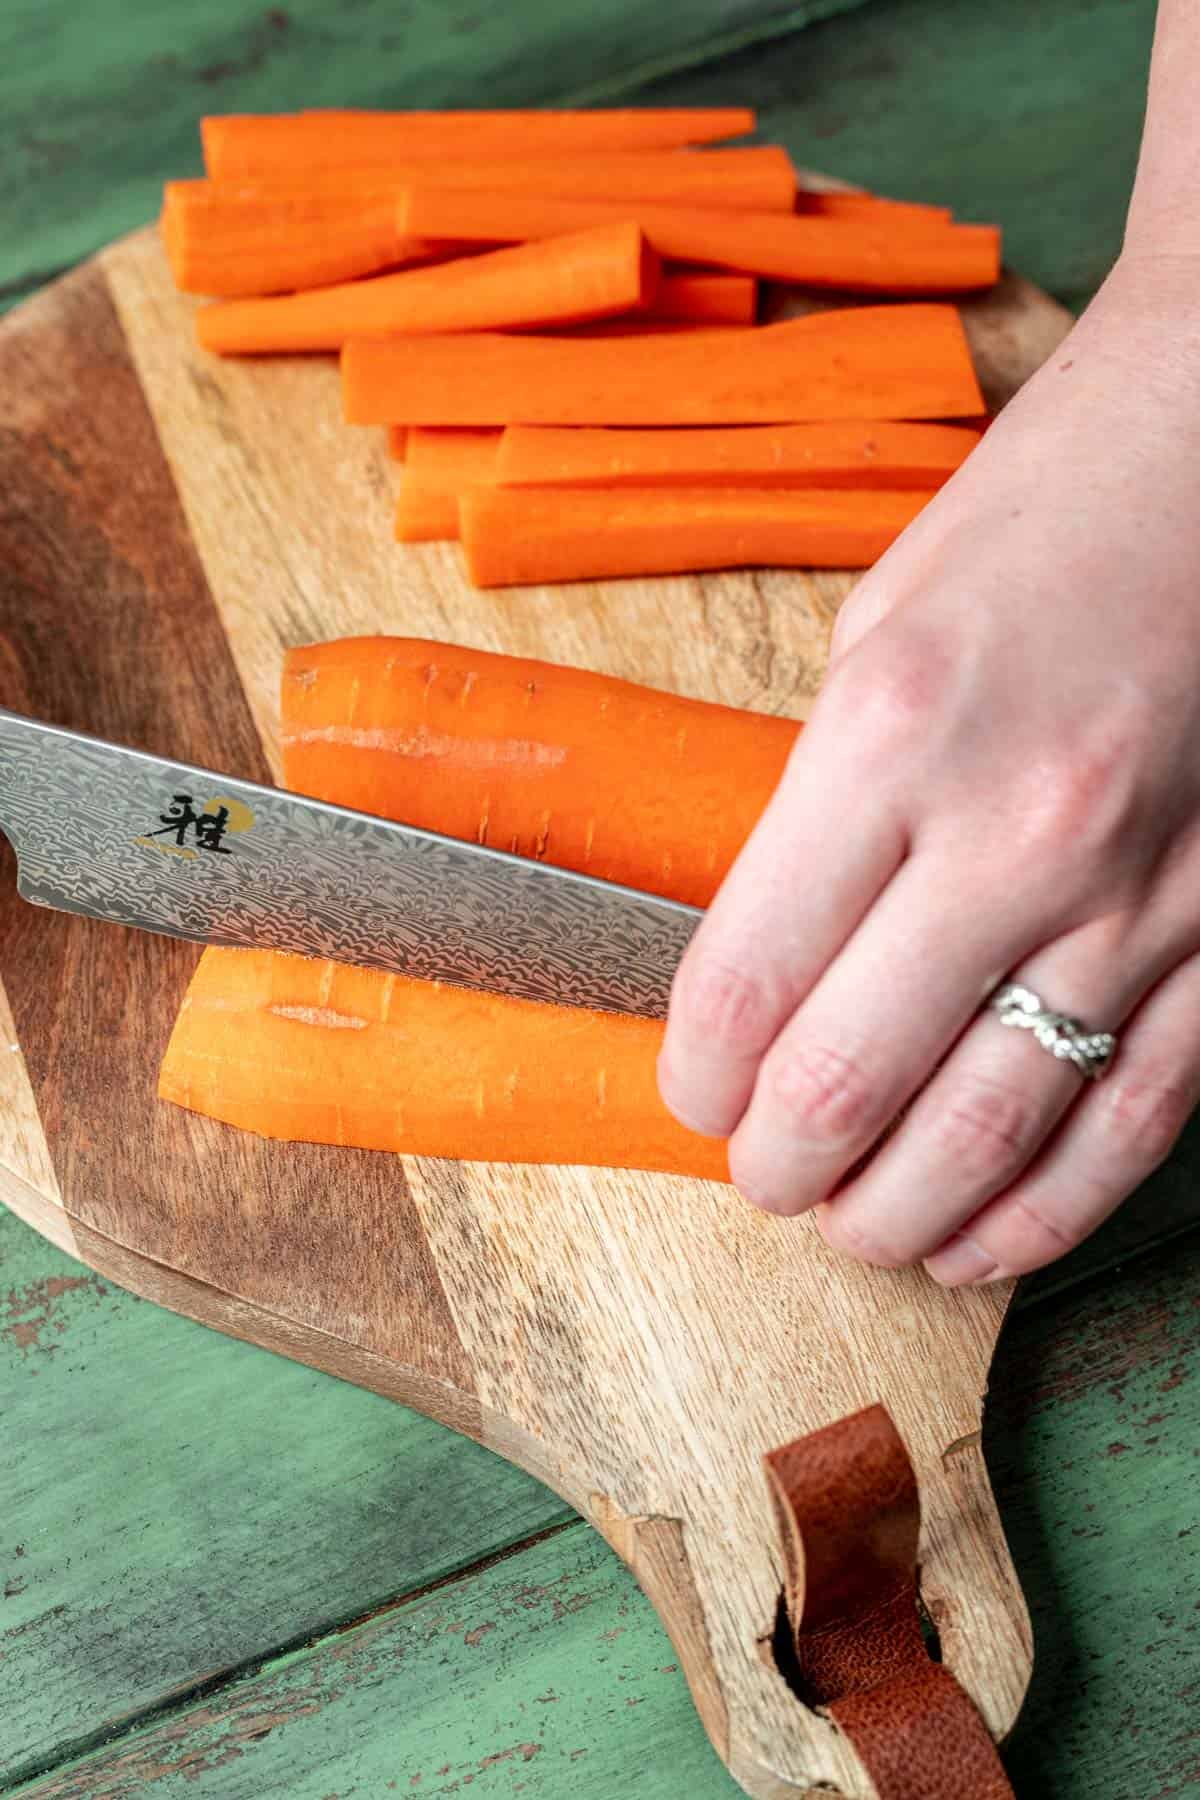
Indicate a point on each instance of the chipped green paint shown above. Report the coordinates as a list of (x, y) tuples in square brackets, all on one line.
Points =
[(175, 1505), (546, 1674)]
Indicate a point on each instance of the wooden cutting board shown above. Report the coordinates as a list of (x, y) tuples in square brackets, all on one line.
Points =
[(170, 525)]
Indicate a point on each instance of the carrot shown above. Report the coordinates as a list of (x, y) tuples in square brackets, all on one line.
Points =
[(707, 299), (760, 179), (581, 770), (320, 1052), (589, 275), (838, 454), (398, 436), (442, 465), (528, 536), (265, 144), (228, 244), (867, 255), (838, 204), (894, 362)]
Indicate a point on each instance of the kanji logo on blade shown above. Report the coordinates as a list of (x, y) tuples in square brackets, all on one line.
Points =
[(190, 827)]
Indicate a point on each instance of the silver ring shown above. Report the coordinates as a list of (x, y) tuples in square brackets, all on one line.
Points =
[(1064, 1037)]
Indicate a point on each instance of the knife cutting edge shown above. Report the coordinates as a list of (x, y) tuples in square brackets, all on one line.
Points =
[(116, 834)]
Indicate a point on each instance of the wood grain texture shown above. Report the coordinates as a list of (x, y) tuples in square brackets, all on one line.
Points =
[(635, 1342)]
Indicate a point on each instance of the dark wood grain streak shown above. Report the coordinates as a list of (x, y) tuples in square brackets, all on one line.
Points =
[(107, 624)]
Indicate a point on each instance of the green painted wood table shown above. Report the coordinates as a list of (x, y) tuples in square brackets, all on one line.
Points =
[(223, 1575)]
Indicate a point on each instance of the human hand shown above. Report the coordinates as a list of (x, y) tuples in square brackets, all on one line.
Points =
[(1000, 780)]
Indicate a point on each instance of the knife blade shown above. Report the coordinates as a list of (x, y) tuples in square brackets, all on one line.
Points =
[(114, 833)]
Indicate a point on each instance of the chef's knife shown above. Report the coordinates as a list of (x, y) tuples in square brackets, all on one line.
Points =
[(141, 840)]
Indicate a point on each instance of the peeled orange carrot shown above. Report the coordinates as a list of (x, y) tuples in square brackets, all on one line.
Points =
[(441, 467)]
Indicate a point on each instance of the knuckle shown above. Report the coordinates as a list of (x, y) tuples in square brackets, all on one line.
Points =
[(1035, 1239), (1080, 798), (827, 1097), (897, 691), (724, 1004), (988, 1131), (1143, 1117), (843, 1234)]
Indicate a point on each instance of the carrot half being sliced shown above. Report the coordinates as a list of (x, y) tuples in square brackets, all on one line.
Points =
[(576, 768), (321, 1052), (760, 178), (440, 466), (531, 536), (894, 362), (228, 244), (265, 144), (564, 765), (589, 275), (870, 254), (834, 454)]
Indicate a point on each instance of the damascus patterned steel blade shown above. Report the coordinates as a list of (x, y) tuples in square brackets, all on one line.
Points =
[(115, 834)]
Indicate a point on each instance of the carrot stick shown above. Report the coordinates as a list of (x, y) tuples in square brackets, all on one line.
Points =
[(228, 244), (758, 179), (258, 144), (590, 275), (894, 362), (707, 299), (442, 465), (398, 436), (838, 454), (528, 536), (320, 1052), (866, 255), (573, 768), (837, 204)]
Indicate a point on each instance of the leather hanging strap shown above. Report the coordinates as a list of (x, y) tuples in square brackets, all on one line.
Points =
[(849, 1518)]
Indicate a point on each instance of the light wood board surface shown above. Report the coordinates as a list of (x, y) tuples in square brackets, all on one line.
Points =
[(635, 1341)]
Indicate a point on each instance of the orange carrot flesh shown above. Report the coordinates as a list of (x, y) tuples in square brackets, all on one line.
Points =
[(866, 255), (591, 274), (264, 144), (531, 536), (894, 362), (563, 765), (707, 299), (442, 465), (759, 179), (397, 442), (320, 1052), (836, 454), (836, 204), (227, 245)]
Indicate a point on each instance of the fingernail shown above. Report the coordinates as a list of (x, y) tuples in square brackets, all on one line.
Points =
[(961, 1262)]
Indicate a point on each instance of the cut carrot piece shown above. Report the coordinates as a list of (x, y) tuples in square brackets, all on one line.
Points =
[(528, 536), (442, 465), (837, 454), (228, 245), (398, 436), (318, 1052), (573, 768), (590, 275), (837, 204), (893, 362), (866, 255), (759, 179), (707, 299), (265, 144)]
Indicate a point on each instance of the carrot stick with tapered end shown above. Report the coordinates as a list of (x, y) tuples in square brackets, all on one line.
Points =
[(441, 466), (759, 179), (264, 144), (862, 254), (529, 536), (319, 1052), (574, 768), (588, 275), (836, 454), (229, 244), (894, 362)]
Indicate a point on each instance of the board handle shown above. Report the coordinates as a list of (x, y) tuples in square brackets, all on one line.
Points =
[(851, 1639)]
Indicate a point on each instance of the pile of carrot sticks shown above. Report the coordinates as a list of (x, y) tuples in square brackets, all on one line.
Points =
[(555, 315)]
